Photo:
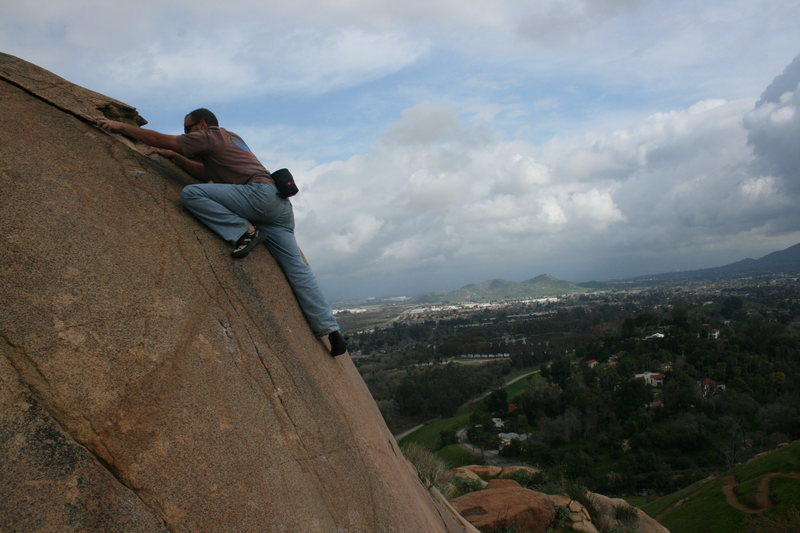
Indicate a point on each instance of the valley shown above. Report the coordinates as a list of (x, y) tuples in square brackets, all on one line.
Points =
[(640, 391)]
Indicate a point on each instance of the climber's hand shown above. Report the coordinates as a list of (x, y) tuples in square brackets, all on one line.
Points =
[(109, 125)]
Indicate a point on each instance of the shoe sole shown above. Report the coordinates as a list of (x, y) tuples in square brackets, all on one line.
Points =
[(259, 238)]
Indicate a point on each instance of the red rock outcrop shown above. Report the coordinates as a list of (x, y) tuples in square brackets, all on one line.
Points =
[(501, 505), (490, 471), (504, 504), (148, 382)]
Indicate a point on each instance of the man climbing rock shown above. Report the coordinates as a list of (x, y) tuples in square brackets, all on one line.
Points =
[(240, 203)]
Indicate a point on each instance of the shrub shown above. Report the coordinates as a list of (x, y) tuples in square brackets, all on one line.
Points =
[(561, 518), (626, 514), (465, 485), (447, 437), (455, 455), (527, 479), (577, 492), (430, 469)]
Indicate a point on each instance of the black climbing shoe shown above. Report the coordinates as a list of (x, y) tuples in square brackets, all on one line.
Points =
[(246, 243), (338, 344)]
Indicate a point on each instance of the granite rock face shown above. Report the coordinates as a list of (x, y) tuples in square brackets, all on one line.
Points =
[(605, 512), (149, 382), (504, 504)]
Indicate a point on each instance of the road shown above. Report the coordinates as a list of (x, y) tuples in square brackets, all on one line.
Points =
[(511, 382)]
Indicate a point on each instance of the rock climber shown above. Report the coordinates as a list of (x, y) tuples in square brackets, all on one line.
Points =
[(240, 203)]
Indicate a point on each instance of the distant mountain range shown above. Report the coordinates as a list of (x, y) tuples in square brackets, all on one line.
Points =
[(776, 263), (501, 289)]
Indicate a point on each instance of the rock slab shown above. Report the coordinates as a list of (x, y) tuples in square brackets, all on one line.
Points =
[(149, 381)]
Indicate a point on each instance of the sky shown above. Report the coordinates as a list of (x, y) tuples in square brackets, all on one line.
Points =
[(443, 142)]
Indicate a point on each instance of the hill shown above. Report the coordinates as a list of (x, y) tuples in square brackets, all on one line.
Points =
[(499, 289), (782, 262), (149, 382), (747, 498)]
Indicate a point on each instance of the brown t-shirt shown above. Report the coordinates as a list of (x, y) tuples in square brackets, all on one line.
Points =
[(224, 154)]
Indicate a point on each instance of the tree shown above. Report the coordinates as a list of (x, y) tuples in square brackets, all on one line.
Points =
[(497, 402), (631, 395), (560, 371), (731, 307), (447, 437), (680, 317)]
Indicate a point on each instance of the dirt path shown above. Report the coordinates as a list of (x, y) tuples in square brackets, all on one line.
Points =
[(762, 500), (728, 483)]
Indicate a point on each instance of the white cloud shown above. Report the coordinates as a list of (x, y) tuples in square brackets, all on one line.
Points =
[(229, 63), (678, 180), (774, 129), (210, 50), (319, 61), (757, 188)]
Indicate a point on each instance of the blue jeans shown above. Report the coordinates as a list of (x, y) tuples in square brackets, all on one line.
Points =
[(230, 209)]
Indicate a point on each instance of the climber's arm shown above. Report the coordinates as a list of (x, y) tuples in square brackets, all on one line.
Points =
[(149, 137), (194, 168)]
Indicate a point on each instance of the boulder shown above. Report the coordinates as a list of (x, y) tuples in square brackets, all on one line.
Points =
[(605, 514), (464, 473), (506, 507), (149, 382), (502, 483), (485, 471), (559, 500), (584, 526), (508, 470)]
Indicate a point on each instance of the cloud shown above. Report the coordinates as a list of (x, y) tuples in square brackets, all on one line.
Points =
[(319, 60), (206, 50), (677, 182), (236, 63), (549, 22), (774, 131), (450, 197), (424, 124)]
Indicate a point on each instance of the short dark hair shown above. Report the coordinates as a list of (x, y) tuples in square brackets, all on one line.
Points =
[(204, 114)]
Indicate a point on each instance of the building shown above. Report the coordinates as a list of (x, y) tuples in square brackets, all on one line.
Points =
[(653, 379), (708, 387)]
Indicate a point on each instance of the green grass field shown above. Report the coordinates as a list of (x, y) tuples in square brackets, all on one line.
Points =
[(428, 435), (705, 511), (746, 491), (785, 459), (515, 389), (658, 506), (785, 493), (455, 455), (705, 508)]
